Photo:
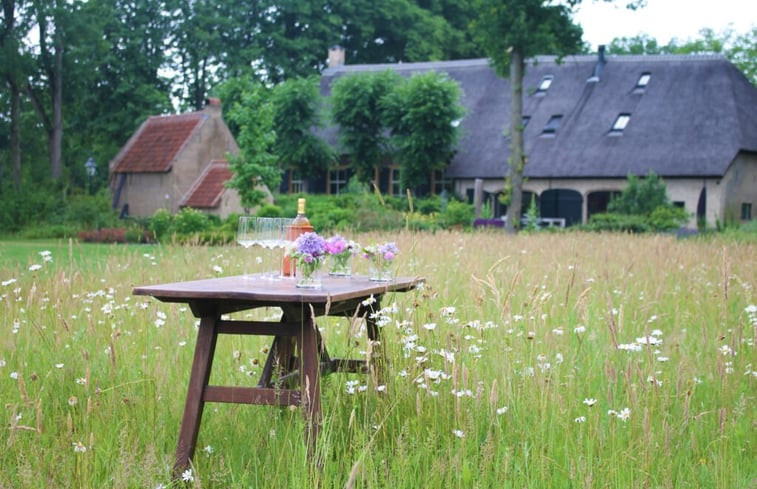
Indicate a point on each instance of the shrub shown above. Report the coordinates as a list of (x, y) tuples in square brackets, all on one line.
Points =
[(340, 219), (104, 235), (269, 210), (138, 235), (19, 209), (417, 221), (667, 218), (641, 196), (49, 231), (429, 205), (458, 214), (618, 222), (90, 211), (190, 221), (160, 224)]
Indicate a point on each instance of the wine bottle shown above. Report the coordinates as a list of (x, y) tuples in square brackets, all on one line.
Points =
[(300, 225)]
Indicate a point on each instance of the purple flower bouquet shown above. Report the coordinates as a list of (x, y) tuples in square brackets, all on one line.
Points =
[(309, 253)]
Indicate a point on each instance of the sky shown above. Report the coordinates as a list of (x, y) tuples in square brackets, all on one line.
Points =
[(663, 19)]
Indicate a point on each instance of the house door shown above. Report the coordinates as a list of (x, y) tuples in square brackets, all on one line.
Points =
[(702, 207), (562, 203), (597, 202)]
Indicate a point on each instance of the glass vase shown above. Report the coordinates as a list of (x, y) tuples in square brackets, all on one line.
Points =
[(340, 265), (309, 275), (380, 270)]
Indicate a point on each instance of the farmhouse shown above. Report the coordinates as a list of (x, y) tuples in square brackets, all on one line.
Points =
[(176, 161), (590, 121)]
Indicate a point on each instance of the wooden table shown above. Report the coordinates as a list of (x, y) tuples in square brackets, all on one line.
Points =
[(297, 353)]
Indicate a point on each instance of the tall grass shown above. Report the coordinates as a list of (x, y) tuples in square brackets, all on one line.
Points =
[(566, 361)]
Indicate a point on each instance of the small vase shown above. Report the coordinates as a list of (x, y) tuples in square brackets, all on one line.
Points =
[(340, 265), (308, 276), (380, 270)]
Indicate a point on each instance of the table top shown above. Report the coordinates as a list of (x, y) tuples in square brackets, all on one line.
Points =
[(256, 288)]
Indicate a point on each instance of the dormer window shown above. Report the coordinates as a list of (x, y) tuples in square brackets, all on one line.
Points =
[(552, 125), (642, 82), (526, 120), (620, 124), (544, 84)]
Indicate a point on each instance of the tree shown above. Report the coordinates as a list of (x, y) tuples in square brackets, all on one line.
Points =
[(12, 75), (423, 113), (641, 44), (511, 31), (256, 164), (743, 53), (197, 47), (740, 49), (297, 112), (458, 43), (356, 106), (46, 86), (114, 77)]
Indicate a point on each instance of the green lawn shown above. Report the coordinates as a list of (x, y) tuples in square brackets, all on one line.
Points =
[(25, 253)]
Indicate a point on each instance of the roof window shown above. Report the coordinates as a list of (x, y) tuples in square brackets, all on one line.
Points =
[(643, 81), (620, 124), (544, 84), (552, 125)]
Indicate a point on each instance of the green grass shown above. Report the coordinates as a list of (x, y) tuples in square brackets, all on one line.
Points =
[(24, 253), (489, 367)]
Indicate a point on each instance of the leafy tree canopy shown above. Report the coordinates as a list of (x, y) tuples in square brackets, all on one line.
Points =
[(423, 113), (528, 27), (256, 164), (740, 49), (356, 106), (296, 113)]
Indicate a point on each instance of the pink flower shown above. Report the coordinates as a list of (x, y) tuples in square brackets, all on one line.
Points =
[(335, 245)]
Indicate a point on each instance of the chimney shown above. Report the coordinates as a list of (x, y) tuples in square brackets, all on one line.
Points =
[(601, 62), (212, 105), (336, 56)]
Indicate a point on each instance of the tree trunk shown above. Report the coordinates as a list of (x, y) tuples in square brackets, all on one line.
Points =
[(515, 177), (56, 135), (8, 43), (16, 134)]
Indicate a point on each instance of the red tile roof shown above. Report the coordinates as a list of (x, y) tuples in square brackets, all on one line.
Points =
[(157, 142), (207, 190)]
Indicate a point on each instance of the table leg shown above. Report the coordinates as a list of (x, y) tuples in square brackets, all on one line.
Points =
[(198, 380), (310, 381)]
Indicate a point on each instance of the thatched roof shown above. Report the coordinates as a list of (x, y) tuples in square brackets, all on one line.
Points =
[(693, 117)]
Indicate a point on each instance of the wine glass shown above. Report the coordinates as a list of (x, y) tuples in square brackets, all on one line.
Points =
[(247, 237), (267, 239), (281, 226)]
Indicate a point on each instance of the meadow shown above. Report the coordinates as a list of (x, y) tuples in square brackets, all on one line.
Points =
[(530, 361)]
